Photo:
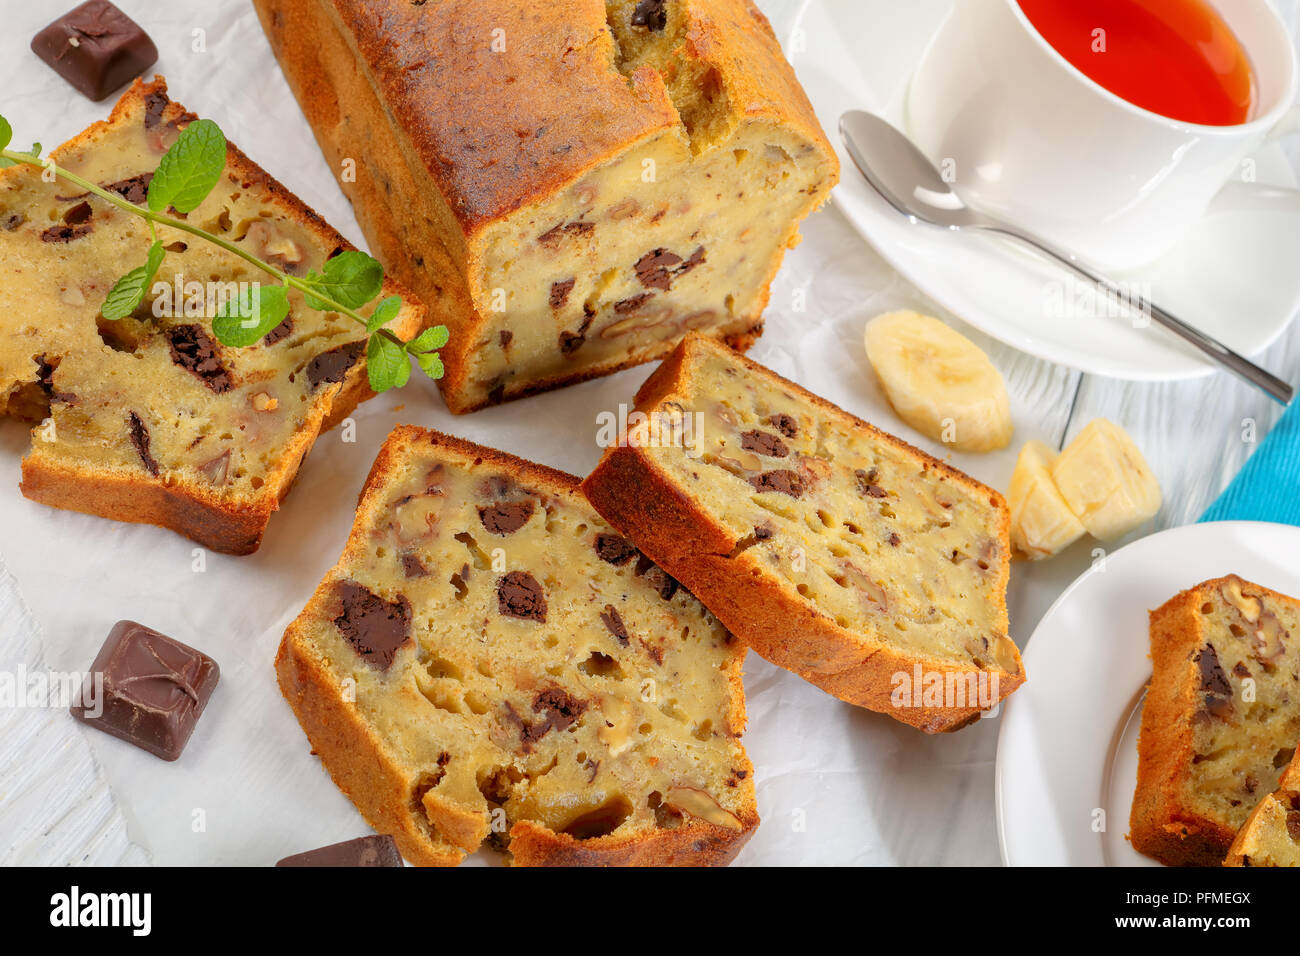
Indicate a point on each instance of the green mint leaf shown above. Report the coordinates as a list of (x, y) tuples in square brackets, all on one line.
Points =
[(430, 363), (430, 340), (351, 279), (384, 313), (188, 171), (243, 321), (386, 364), (34, 153), (129, 291), (6, 133)]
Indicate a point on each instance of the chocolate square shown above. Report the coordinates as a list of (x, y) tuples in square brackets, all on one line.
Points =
[(95, 47), (155, 689), (363, 851)]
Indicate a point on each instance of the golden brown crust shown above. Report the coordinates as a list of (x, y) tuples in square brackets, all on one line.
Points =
[(1161, 825), (187, 508), (637, 497), (471, 150), (363, 767), (488, 149), (696, 844)]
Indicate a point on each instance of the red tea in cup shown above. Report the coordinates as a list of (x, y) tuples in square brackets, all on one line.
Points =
[(1177, 58)]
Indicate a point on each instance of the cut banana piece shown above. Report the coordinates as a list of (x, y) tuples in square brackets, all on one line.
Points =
[(1042, 524), (1106, 481), (939, 382)]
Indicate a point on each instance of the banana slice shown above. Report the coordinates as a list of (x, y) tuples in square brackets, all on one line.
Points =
[(1042, 524), (939, 382), (1106, 481)]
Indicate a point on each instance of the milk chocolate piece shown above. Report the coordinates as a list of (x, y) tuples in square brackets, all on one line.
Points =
[(154, 689), (96, 47), (363, 851)]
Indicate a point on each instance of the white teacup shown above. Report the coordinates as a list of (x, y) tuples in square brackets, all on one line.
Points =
[(1031, 139)]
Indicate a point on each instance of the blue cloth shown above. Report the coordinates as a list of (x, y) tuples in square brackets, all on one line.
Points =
[(1268, 488)]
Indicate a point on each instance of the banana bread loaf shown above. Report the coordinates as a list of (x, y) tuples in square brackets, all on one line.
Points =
[(1221, 718), (149, 419), (831, 548), (1271, 834), (570, 187), (489, 661)]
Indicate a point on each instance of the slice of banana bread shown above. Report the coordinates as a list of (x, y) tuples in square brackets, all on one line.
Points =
[(569, 186), (1271, 834), (489, 660), (1221, 718), (149, 419), (833, 549)]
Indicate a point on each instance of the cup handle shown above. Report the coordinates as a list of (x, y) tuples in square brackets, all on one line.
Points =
[(1288, 125), (1258, 196)]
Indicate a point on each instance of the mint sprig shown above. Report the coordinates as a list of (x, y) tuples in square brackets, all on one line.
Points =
[(190, 169), (351, 277), (255, 311), (129, 291), (345, 284)]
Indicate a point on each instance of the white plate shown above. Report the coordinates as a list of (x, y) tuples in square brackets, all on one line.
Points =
[(1234, 275), (1067, 748)]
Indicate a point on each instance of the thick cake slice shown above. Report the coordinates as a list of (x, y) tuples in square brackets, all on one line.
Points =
[(831, 548), (489, 661), (1271, 834), (1221, 718), (571, 187), (149, 419)]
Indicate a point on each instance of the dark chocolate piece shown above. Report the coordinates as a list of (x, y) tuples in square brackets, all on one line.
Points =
[(96, 48), (786, 425), (376, 629), (615, 550), (332, 366), (632, 304), (613, 621), (519, 595), (764, 443), (135, 189), (783, 481), (1214, 683), (867, 486), (139, 434), (506, 517), (279, 333), (559, 709), (697, 258), (363, 851), (552, 236), (650, 14), (413, 567), (560, 292), (196, 352), (654, 269), (154, 689), (65, 233)]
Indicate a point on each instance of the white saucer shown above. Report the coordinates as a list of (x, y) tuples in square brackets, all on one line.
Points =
[(1067, 748), (1234, 276)]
